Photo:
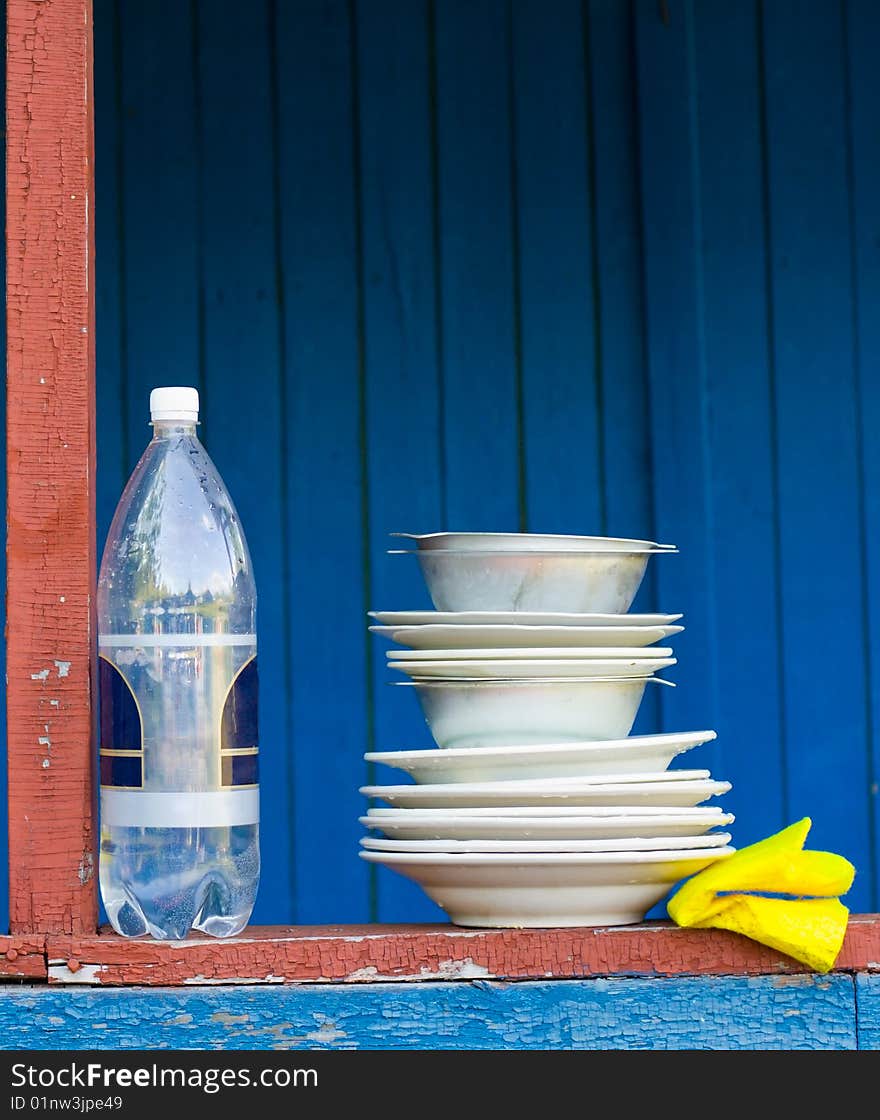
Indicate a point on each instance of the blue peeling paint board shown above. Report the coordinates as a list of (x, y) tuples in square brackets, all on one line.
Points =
[(688, 1013)]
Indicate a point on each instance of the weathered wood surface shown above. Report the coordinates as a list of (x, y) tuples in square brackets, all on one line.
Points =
[(362, 954), (868, 1010), (673, 1013), (23, 957), (51, 465)]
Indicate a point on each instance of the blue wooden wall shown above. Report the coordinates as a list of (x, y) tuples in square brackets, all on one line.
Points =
[(592, 267)]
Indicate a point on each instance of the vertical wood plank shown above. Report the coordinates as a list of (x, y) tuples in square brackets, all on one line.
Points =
[(626, 438), (323, 415), (111, 374), (4, 813), (676, 361), (561, 382), (401, 374), (51, 465), (110, 358), (620, 317), (739, 414), (242, 378), (477, 266), (819, 476), (863, 33), (160, 207)]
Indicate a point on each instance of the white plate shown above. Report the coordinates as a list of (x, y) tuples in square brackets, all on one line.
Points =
[(546, 890), (512, 669), (518, 618), (546, 760), (541, 823), (519, 653), (465, 637), (626, 844), (670, 789)]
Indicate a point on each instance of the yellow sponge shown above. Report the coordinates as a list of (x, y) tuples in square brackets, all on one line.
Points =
[(808, 924)]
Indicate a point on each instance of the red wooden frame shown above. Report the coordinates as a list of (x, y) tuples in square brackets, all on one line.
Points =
[(50, 400), (51, 636)]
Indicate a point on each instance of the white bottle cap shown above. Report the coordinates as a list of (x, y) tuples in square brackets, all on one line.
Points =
[(175, 402)]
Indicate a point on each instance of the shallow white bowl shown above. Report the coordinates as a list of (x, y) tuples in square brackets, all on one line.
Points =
[(510, 669), (672, 788), (626, 844), (541, 890), (518, 618), (600, 582), (639, 753), (527, 542), (558, 822), (537, 710), (524, 637)]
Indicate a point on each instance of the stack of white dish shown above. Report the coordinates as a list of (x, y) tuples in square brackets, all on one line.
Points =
[(539, 808)]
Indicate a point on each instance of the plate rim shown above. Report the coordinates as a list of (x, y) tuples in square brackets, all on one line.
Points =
[(660, 738), (538, 859)]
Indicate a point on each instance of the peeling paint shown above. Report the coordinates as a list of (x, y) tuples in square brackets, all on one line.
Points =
[(448, 969), (465, 969), (368, 973), (85, 974), (683, 1013), (63, 668), (86, 867), (200, 980), (327, 1032), (41, 676)]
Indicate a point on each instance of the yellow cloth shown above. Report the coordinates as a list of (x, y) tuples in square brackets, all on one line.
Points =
[(809, 925)]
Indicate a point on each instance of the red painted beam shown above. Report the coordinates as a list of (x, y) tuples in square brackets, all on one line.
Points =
[(50, 407), (363, 954), (23, 958)]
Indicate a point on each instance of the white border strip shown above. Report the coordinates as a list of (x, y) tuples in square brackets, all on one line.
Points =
[(147, 809), (182, 641)]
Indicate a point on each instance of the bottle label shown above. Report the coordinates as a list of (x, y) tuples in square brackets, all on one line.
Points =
[(239, 730), (125, 808), (179, 734), (122, 731), (178, 717)]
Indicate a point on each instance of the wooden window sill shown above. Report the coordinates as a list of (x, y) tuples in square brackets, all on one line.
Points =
[(382, 953)]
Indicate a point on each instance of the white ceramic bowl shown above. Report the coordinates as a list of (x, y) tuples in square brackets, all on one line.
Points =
[(524, 637), (594, 582), (538, 890), (637, 754), (626, 844), (534, 822), (510, 669), (529, 542), (539, 710), (671, 788)]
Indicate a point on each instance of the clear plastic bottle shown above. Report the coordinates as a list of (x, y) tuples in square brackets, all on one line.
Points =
[(178, 694)]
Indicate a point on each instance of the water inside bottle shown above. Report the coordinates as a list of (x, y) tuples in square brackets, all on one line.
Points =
[(178, 700)]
